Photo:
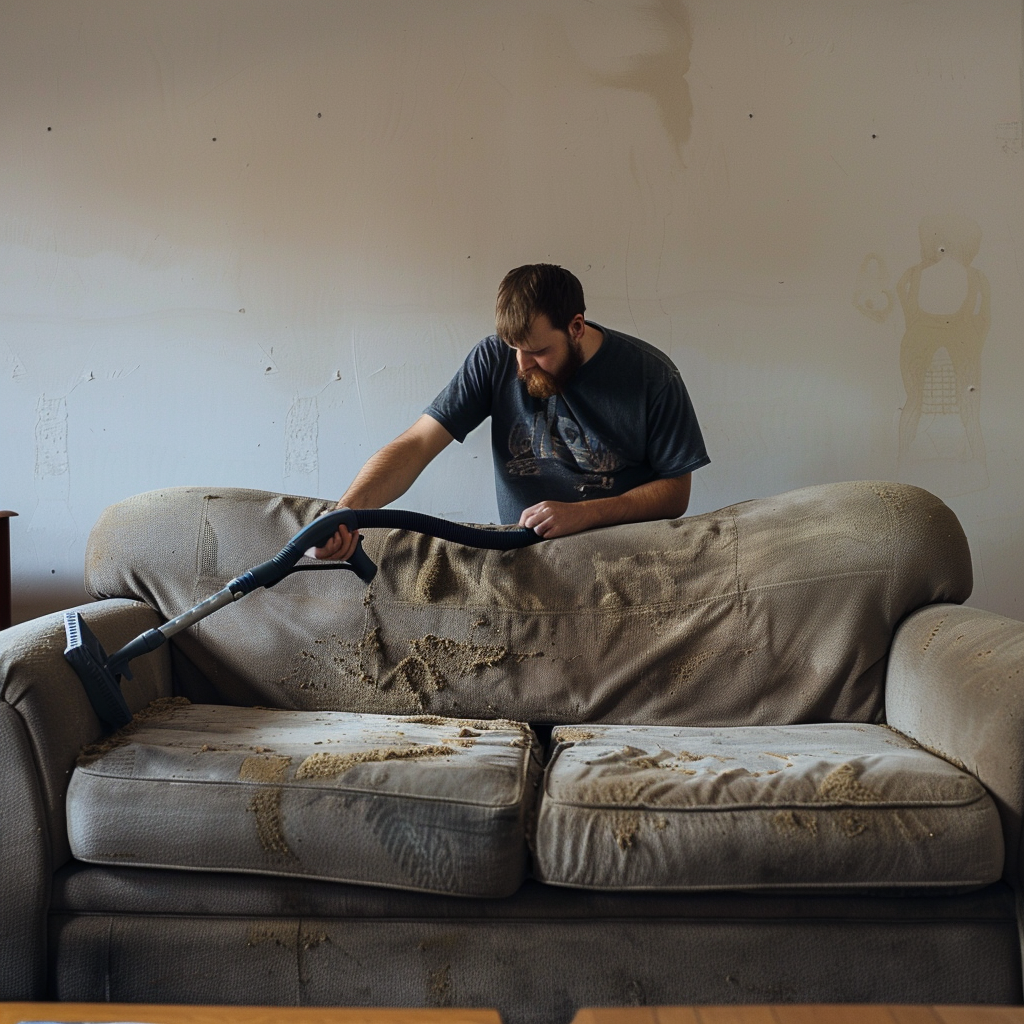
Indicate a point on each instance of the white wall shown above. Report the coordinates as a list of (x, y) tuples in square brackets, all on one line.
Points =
[(741, 182)]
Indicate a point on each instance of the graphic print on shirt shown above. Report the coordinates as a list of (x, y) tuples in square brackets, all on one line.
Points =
[(565, 446)]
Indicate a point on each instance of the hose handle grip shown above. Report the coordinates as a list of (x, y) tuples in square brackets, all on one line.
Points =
[(315, 535)]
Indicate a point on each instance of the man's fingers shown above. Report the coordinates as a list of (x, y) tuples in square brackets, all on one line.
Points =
[(340, 547), (537, 517)]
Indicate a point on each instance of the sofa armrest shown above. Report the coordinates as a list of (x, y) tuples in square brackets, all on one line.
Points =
[(45, 720), (955, 685)]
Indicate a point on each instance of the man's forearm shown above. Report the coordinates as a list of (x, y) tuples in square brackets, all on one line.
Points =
[(659, 499), (389, 473)]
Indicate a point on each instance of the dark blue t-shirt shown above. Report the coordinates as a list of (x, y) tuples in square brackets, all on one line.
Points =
[(624, 419)]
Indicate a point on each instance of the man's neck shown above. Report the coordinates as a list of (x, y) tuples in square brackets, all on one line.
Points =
[(590, 342)]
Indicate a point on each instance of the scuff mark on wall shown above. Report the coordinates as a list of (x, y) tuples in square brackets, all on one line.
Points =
[(301, 435), (18, 371), (51, 437), (269, 363), (874, 297), (1010, 137)]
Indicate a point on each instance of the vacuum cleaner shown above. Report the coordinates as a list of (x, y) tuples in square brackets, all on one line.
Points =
[(101, 674)]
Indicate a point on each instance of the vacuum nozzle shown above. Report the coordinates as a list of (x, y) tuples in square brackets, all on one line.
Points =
[(87, 657)]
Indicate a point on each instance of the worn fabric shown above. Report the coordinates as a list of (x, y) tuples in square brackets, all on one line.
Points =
[(96, 889), (838, 807), (624, 419), (45, 717), (955, 682), (775, 611), (538, 970), (47, 696), (434, 805), (25, 867)]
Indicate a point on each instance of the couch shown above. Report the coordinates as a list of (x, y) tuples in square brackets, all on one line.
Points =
[(757, 755)]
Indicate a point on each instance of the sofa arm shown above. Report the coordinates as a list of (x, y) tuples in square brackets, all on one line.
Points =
[(45, 720), (955, 685)]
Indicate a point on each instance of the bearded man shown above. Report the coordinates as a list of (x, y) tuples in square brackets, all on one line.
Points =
[(589, 427)]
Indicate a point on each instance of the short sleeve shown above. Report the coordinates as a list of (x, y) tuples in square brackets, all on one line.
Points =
[(675, 445), (466, 400)]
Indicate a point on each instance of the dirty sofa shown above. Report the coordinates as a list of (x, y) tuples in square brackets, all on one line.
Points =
[(761, 754)]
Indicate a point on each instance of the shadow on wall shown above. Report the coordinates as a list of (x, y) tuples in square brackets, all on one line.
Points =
[(32, 601), (947, 314)]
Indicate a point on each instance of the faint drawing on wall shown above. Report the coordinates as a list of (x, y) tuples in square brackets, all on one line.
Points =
[(301, 442), (872, 297), (946, 310)]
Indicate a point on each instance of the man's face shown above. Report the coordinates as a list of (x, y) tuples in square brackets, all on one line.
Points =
[(548, 358)]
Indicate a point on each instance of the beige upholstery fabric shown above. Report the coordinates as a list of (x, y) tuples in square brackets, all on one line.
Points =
[(956, 685), (45, 717), (427, 804), (842, 807), (773, 611), (42, 688)]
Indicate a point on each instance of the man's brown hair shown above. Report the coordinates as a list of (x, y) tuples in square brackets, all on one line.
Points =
[(528, 291)]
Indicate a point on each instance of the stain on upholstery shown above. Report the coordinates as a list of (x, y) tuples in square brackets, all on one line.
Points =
[(329, 765), (159, 708), (795, 823), (266, 801), (842, 785)]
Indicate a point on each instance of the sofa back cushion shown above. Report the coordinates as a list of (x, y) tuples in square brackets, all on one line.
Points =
[(427, 804), (838, 807), (773, 611)]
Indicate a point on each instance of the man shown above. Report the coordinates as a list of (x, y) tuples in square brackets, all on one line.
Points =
[(589, 427)]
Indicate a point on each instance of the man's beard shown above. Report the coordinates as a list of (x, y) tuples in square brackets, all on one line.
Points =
[(541, 384)]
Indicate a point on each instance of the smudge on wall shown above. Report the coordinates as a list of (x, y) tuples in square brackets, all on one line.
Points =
[(301, 454), (874, 297), (51, 437), (661, 74)]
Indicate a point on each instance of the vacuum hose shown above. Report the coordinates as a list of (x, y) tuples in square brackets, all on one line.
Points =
[(324, 527), (283, 564)]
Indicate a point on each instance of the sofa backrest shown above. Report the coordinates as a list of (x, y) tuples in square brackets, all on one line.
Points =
[(775, 611)]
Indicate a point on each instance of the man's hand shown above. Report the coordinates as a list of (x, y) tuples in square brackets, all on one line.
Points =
[(386, 476), (340, 547), (557, 518), (659, 499)]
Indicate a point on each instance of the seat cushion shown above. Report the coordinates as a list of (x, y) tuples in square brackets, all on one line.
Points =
[(429, 804), (838, 807)]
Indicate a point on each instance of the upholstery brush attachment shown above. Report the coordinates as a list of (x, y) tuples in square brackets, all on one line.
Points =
[(86, 655)]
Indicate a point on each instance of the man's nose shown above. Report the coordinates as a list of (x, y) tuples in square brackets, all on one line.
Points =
[(526, 360)]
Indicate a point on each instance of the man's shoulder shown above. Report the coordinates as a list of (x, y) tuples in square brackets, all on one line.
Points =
[(625, 349), (491, 351)]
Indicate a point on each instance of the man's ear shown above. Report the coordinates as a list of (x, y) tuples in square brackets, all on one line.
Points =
[(577, 326)]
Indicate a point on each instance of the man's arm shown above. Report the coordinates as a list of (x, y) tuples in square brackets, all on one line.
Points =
[(386, 476), (659, 499)]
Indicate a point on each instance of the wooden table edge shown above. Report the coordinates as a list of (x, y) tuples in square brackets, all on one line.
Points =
[(158, 1013)]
